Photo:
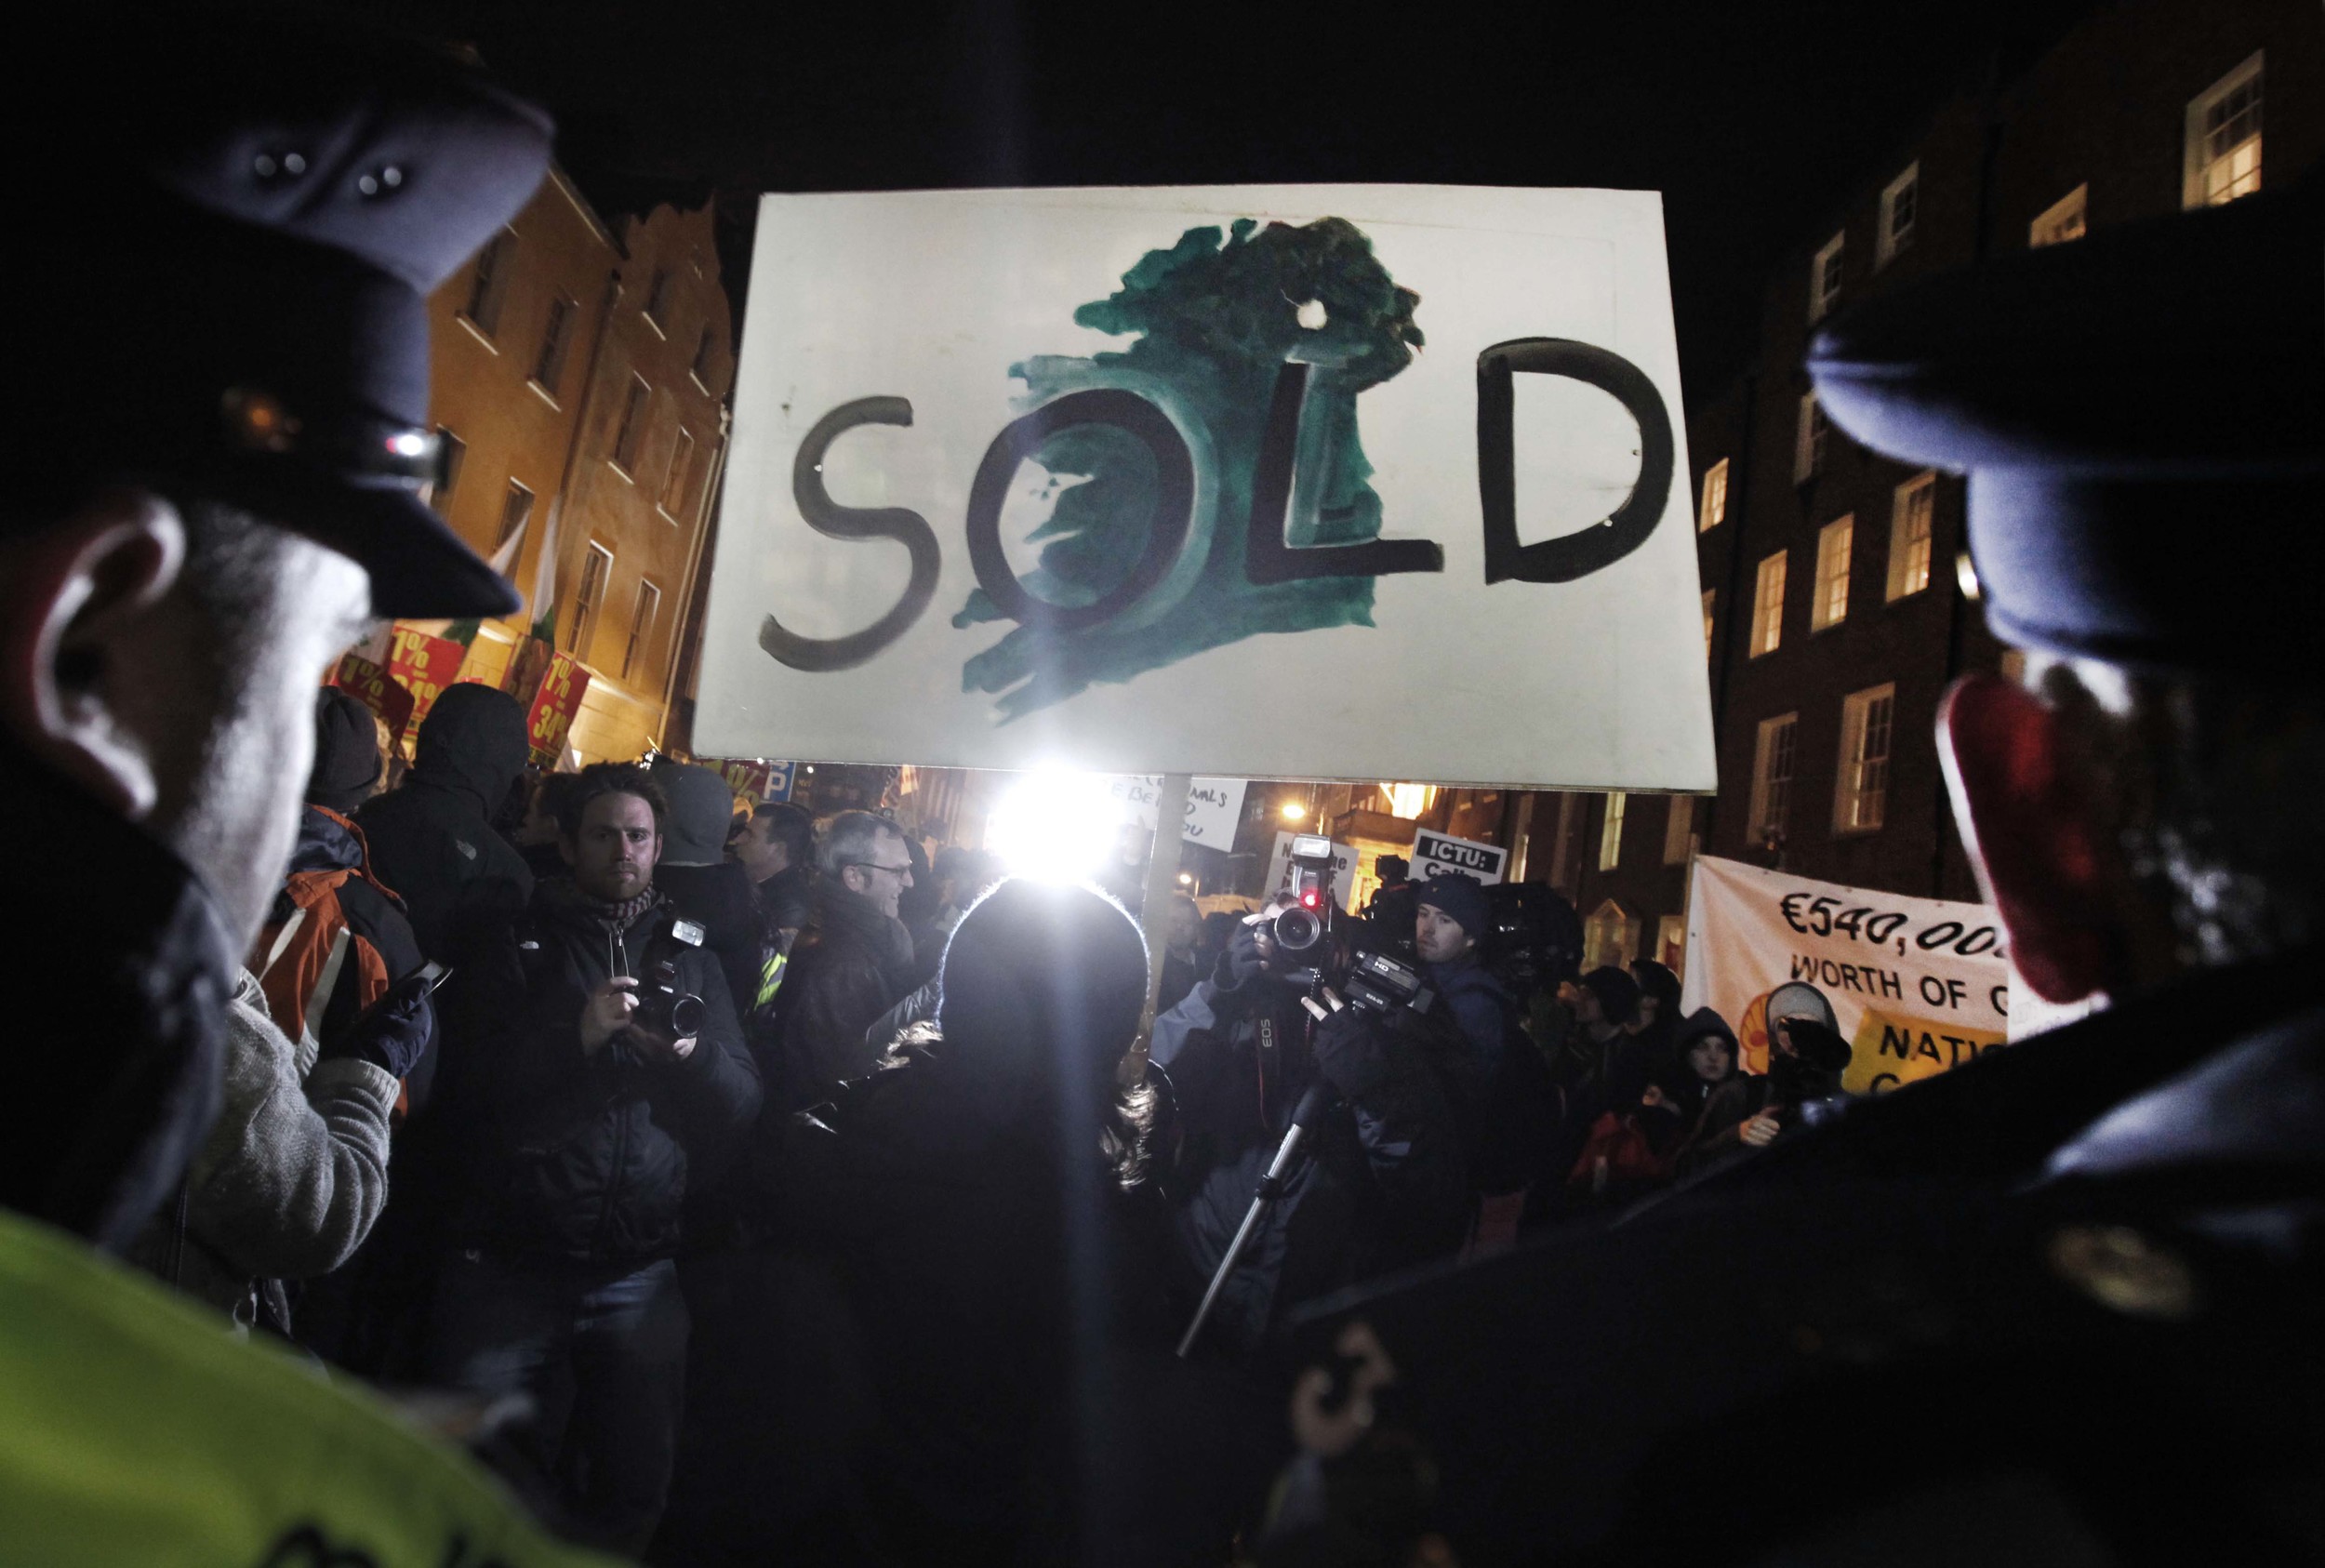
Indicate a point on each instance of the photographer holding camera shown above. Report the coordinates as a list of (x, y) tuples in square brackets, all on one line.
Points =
[(593, 1059), (1380, 1182)]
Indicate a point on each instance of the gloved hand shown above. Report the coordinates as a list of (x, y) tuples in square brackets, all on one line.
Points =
[(1352, 1051), (393, 1032), (1239, 964)]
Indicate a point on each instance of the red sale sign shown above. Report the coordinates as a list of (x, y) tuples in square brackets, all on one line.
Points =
[(377, 690), (425, 665), (553, 708)]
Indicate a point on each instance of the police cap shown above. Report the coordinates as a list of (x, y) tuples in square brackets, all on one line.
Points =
[(2142, 418), (251, 207)]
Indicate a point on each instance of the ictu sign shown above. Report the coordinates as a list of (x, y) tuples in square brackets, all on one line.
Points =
[(1356, 482)]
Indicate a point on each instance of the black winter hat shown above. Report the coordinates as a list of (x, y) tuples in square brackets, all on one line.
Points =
[(1658, 981), (1616, 991), (1460, 896), (347, 752)]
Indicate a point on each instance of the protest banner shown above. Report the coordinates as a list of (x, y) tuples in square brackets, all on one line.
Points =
[(1343, 871), (376, 689), (553, 708), (425, 665), (1212, 805), (1435, 854), (993, 502), (1917, 985)]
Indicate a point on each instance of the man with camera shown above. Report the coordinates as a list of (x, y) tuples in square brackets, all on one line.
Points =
[(595, 1059), (1381, 1182)]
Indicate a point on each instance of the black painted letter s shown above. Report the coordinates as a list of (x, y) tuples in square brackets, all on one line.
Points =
[(821, 655)]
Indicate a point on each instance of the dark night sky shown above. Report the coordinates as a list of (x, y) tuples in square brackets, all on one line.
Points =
[(1753, 119)]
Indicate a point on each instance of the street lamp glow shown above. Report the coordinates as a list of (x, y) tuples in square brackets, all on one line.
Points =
[(1187, 879), (1293, 811), (1054, 826)]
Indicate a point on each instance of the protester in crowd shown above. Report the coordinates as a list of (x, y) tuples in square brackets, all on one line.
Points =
[(852, 963), (776, 849), (1658, 1017), (173, 586), (972, 1196), (1598, 1065), (704, 886), (584, 1111), (1731, 1111), (1180, 963), (962, 876), (432, 839), (1383, 1182), (1393, 903), (535, 838)]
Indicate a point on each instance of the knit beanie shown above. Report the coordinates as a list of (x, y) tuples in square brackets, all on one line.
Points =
[(1616, 991), (347, 752), (1462, 898)]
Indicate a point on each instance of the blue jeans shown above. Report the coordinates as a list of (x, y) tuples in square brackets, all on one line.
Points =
[(602, 1351)]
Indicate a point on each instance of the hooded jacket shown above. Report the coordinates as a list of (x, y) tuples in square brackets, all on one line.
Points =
[(432, 839), (704, 885), (586, 1155), (848, 968)]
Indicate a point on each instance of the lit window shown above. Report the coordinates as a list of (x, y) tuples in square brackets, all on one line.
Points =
[(682, 462), (656, 307), (1823, 280), (1711, 594), (1768, 606), (596, 566), (2224, 139), (1671, 943), (1912, 518), (643, 615), (515, 507), (549, 365), (631, 431), (453, 453), (1771, 776), (1611, 831), (2060, 221), (489, 283), (1809, 440), (1867, 720), (1834, 541), (1679, 832), (1714, 511), (1900, 201), (1610, 937)]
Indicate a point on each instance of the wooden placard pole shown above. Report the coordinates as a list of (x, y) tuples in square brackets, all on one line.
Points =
[(1170, 831)]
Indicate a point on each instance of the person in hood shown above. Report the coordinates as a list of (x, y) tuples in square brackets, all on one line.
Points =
[(584, 1111), (776, 850), (233, 364), (704, 886), (851, 964), (433, 839)]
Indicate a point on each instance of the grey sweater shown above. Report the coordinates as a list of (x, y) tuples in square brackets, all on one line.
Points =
[(291, 1176)]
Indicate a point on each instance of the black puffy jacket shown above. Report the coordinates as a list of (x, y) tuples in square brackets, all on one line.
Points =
[(585, 1156)]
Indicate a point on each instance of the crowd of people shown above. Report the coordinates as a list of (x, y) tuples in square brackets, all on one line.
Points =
[(658, 1125)]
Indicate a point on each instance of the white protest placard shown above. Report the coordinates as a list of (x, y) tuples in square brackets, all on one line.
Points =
[(1434, 853), (1212, 805), (1071, 479), (1917, 985), (1343, 871)]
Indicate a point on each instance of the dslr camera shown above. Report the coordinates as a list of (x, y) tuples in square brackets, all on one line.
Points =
[(1330, 947), (664, 1012)]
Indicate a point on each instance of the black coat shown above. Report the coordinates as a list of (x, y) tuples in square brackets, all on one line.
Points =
[(585, 1156), (851, 964), (720, 899), (1383, 1183), (432, 840), (2056, 1305)]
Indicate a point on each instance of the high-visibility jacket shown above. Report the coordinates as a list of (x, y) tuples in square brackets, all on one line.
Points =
[(135, 1428)]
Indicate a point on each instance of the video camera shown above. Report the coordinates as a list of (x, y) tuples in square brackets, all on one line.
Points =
[(1331, 948)]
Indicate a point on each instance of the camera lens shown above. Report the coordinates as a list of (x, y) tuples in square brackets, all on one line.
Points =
[(1298, 930), (686, 1017)]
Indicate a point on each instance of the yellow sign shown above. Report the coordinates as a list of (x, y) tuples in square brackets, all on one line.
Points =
[(1891, 1049)]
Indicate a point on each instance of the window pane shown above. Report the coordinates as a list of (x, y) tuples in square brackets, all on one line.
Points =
[(1679, 832), (490, 283), (1611, 832), (1714, 511), (1834, 545), (2063, 220), (642, 618), (632, 430), (1768, 606), (1912, 525), (549, 365), (682, 462), (1771, 776), (515, 507)]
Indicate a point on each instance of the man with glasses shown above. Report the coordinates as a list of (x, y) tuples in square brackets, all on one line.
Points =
[(851, 964)]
